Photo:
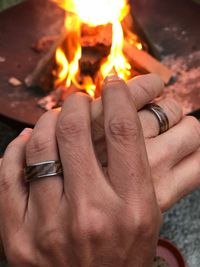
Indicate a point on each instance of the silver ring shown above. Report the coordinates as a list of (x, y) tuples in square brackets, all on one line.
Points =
[(161, 116), (42, 170)]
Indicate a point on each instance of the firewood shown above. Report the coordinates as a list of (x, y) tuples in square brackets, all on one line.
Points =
[(96, 36), (44, 43), (146, 62), (33, 79)]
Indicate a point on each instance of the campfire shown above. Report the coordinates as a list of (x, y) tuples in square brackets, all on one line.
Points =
[(97, 39), (91, 24)]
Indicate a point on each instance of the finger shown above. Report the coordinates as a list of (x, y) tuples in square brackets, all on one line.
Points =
[(185, 177), (13, 191), (76, 149), (128, 167), (42, 147), (175, 144), (150, 124), (143, 89)]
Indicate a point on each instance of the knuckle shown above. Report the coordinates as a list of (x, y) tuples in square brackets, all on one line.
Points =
[(52, 239), (144, 221), (144, 229), (38, 143), (19, 255), (89, 226), (71, 126), (122, 126)]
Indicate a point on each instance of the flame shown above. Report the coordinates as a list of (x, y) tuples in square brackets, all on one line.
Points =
[(116, 59), (63, 64), (96, 13), (92, 13)]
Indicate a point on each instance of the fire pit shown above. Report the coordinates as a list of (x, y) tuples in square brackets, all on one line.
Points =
[(93, 43), (96, 52), (171, 31)]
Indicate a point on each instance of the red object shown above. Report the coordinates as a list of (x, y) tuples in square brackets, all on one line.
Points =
[(170, 254)]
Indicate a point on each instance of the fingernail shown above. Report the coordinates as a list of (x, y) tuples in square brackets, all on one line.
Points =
[(26, 131), (111, 78)]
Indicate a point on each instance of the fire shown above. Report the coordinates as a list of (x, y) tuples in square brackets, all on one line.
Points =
[(92, 13), (63, 64), (116, 59)]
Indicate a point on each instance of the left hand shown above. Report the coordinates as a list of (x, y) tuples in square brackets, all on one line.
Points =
[(88, 218), (174, 156)]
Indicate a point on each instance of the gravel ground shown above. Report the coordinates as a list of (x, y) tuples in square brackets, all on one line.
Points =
[(182, 226)]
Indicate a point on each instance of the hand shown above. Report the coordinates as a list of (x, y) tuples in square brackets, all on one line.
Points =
[(87, 218), (174, 156)]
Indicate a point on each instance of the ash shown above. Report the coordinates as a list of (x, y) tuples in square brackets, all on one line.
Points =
[(186, 87)]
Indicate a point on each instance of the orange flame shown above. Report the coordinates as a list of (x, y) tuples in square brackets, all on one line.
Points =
[(92, 13), (116, 59), (63, 64)]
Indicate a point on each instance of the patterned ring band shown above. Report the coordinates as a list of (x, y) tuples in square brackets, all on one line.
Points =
[(160, 115), (42, 170)]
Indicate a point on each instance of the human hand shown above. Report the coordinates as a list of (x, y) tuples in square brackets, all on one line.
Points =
[(87, 218), (174, 156)]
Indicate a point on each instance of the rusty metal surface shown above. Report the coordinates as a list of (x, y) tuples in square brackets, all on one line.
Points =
[(178, 16), (22, 26)]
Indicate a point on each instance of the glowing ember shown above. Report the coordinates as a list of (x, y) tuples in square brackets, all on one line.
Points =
[(92, 13)]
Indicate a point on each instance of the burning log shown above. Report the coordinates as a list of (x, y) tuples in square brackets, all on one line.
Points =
[(44, 43), (140, 59), (99, 36), (85, 54), (146, 63), (36, 77)]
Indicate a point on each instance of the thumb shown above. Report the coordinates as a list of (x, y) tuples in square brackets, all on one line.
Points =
[(13, 192)]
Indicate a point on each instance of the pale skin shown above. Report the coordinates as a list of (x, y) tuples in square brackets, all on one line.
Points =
[(43, 216)]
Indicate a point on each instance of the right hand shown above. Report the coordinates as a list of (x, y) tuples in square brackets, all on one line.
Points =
[(174, 156)]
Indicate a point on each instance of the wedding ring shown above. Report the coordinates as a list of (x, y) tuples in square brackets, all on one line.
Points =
[(161, 116), (42, 170)]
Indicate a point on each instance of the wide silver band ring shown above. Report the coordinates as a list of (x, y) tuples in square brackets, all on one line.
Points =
[(159, 113), (42, 170)]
